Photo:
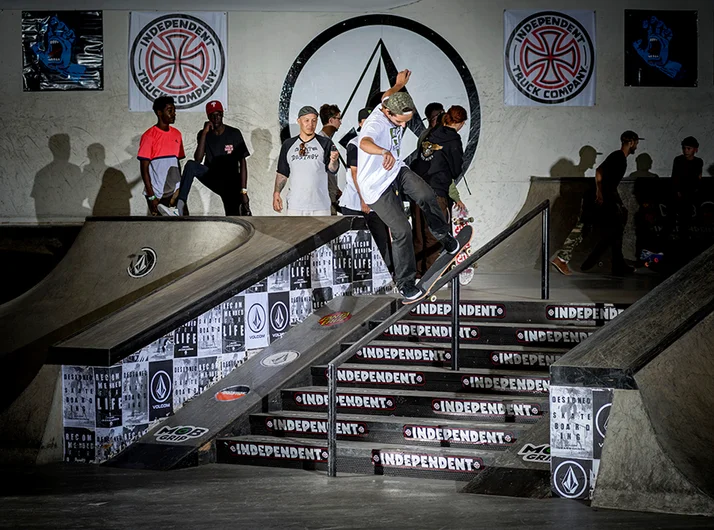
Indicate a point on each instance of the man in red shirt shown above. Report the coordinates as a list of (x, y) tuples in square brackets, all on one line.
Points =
[(160, 150)]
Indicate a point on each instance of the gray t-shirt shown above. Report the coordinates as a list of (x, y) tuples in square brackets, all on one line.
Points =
[(307, 175)]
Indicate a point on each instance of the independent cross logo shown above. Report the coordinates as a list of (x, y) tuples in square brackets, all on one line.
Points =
[(142, 263), (180, 56), (550, 57)]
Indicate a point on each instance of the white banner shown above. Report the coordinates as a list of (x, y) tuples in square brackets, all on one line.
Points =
[(177, 54), (549, 58)]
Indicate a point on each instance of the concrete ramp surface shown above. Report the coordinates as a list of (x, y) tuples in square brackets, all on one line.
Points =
[(158, 267)]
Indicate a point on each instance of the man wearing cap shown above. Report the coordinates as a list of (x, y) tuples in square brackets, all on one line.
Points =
[(686, 175), (351, 202), (380, 170), (608, 212), (225, 171), (305, 160)]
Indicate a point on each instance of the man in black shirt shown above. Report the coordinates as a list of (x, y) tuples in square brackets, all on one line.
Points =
[(686, 175), (609, 212), (225, 171)]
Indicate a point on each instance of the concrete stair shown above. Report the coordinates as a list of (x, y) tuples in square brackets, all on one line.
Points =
[(403, 411)]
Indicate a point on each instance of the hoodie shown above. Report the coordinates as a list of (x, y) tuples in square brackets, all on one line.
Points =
[(441, 158)]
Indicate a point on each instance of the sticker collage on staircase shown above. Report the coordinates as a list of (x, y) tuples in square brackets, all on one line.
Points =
[(107, 408)]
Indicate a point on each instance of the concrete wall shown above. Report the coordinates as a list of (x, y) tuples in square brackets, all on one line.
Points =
[(516, 142)]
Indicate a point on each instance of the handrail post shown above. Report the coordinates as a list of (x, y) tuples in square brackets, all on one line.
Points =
[(545, 254), (455, 303), (332, 420)]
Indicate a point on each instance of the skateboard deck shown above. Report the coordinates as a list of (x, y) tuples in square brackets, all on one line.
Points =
[(459, 219), (440, 266), (649, 257)]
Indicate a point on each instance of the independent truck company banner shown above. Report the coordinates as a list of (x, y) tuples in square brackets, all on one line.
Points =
[(177, 54), (549, 58)]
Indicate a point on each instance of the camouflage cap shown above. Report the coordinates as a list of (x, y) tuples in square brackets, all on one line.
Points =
[(399, 103)]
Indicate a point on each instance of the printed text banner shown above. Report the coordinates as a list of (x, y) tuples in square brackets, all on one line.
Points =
[(182, 55), (549, 58)]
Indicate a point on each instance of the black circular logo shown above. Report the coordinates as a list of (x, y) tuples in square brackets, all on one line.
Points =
[(358, 53), (142, 263)]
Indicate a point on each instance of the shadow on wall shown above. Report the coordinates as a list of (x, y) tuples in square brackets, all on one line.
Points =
[(58, 190), (643, 163), (564, 167), (114, 196), (261, 169)]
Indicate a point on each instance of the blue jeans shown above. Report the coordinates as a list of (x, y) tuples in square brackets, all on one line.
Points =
[(390, 210)]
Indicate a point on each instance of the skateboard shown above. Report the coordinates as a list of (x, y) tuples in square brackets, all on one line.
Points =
[(649, 257), (441, 265), (460, 219)]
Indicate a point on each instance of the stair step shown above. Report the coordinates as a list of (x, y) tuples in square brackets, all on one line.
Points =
[(356, 457), (544, 312), (425, 403), (488, 333), (514, 357), (432, 378), (389, 429)]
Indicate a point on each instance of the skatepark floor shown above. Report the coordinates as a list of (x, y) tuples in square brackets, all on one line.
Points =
[(580, 287), (222, 496)]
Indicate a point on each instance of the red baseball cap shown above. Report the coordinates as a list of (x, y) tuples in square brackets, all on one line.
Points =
[(213, 106)]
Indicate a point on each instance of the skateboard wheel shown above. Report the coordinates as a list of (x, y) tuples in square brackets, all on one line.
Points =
[(656, 260), (432, 298)]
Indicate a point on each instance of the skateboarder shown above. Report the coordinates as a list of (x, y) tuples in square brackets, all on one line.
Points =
[(160, 150), (351, 203), (380, 169), (608, 212), (225, 171), (440, 154)]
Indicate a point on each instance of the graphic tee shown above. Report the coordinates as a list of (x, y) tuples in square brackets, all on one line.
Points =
[(225, 151), (372, 178), (350, 197), (163, 150), (307, 175)]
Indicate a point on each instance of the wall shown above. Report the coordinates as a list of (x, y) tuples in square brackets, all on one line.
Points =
[(516, 142)]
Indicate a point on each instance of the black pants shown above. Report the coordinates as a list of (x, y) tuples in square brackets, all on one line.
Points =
[(379, 232), (390, 210), (220, 185), (611, 218)]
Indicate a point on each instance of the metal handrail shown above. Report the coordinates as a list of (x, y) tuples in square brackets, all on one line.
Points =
[(452, 276)]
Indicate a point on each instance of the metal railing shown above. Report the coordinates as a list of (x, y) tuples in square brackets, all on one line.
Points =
[(453, 276)]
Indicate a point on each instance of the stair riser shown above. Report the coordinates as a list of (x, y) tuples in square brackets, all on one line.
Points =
[(394, 463), (441, 382), (533, 312), (425, 433), (474, 334), (468, 358), (512, 410)]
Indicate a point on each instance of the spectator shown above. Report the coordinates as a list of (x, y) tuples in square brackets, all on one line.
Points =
[(331, 119)]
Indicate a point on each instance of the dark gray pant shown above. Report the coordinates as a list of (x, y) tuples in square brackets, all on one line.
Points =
[(379, 232), (390, 210)]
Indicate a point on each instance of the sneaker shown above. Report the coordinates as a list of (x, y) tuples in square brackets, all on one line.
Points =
[(167, 210), (561, 266), (451, 245), (410, 291)]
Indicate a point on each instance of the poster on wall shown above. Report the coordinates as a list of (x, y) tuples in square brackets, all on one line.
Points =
[(661, 48), (62, 50), (549, 58), (182, 55)]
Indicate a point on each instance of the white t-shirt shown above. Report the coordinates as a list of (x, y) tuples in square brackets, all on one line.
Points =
[(372, 178), (307, 182), (350, 197)]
